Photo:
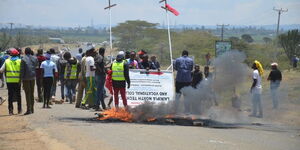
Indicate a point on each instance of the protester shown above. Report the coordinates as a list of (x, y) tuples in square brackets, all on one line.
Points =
[(2, 60), (49, 72), (145, 64), (91, 95), (207, 73), (81, 81), (184, 66), (141, 54), (127, 55), (275, 78), (72, 70), (62, 62), (12, 68), (207, 58), (256, 90), (79, 55), (54, 58), (120, 75), (154, 64), (132, 63), (108, 85), (28, 75), (100, 78), (295, 61), (39, 77), (196, 76)]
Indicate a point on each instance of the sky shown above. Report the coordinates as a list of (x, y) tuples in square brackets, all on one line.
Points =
[(74, 13)]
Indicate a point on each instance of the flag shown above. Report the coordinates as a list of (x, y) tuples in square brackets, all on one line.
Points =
[(171, 9)]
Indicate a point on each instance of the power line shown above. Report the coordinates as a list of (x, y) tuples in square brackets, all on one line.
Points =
[(222, 30), (280, 11)]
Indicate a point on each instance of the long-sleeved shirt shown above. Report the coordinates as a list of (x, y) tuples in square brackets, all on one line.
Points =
[(29, 64), (184, 66)]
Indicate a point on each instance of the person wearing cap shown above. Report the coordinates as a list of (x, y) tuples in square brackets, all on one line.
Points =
[(184, 66), (120, 75), (91, 95), (49, 73), (12, 69), (28, 75), (256, 90), (275, 78)]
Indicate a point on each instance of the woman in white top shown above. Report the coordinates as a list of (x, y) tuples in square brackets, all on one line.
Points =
[(256, 90)]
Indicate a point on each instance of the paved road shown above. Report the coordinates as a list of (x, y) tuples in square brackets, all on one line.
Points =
[(66, 124)]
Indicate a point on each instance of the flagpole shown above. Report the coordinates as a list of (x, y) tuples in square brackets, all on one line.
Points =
[(169, 35), (110, 33)]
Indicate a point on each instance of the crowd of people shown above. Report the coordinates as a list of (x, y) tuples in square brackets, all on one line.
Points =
[(90, 70), (95, 76)]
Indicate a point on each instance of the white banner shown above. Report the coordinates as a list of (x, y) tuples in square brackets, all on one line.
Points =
[(150, 86)]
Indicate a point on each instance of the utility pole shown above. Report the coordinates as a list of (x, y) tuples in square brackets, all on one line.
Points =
[(280, 11), (222, 30), (11, 26), (110, 35)]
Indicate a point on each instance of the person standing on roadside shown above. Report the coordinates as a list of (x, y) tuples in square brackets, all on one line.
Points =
[(12, 68), (72, 70), (49, 72), (184, 66), (256, 89), (120, 76), (81, 80), (100, 78), (79, 55), (29, 64), (62, 62), (39, 78), (275, 78), (91, 95), (54, 58)]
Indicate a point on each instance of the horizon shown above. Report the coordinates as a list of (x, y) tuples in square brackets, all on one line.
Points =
[(74, 13)]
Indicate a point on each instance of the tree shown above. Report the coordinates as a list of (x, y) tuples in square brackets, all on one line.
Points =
[(290, 43), (247, 38), (130, 32), (4, 41), (267, 40)]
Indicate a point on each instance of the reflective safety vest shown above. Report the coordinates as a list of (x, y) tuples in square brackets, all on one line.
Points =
[(12, 69), (73, 74), (118, 71)]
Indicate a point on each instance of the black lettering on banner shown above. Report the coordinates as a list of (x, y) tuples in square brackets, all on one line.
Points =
[(163, 93)]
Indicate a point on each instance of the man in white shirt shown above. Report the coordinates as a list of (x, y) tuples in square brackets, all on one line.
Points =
[(256, 90), (90, 97)]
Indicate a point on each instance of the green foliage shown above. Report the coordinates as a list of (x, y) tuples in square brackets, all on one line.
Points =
[(267, 40), (290, 42), (247, 38)]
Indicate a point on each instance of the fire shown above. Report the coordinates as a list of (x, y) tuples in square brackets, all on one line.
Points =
[(120, 114), (169, 116), (151, 119)]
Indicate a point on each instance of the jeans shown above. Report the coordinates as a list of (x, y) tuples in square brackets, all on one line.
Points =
[(62, 88), (14, 94), (256, 104), (53, 88), (273, 88), (28, 86), (100, 81), (40, 89), (71, 89)]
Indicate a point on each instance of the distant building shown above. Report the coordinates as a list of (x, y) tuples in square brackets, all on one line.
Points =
[(57, 40)]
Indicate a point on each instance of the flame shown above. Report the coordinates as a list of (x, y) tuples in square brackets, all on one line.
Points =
[(151, 119), (169, 116), (120, 114)]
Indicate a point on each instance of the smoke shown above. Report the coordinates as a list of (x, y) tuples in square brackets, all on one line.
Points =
[(230, 71)]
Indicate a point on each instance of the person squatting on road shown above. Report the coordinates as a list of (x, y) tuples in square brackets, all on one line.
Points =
[(49, 72), (275, 78), (120, 75), (256, 89), (72, 70), (12, 69), (184, 66), (29, 64)]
